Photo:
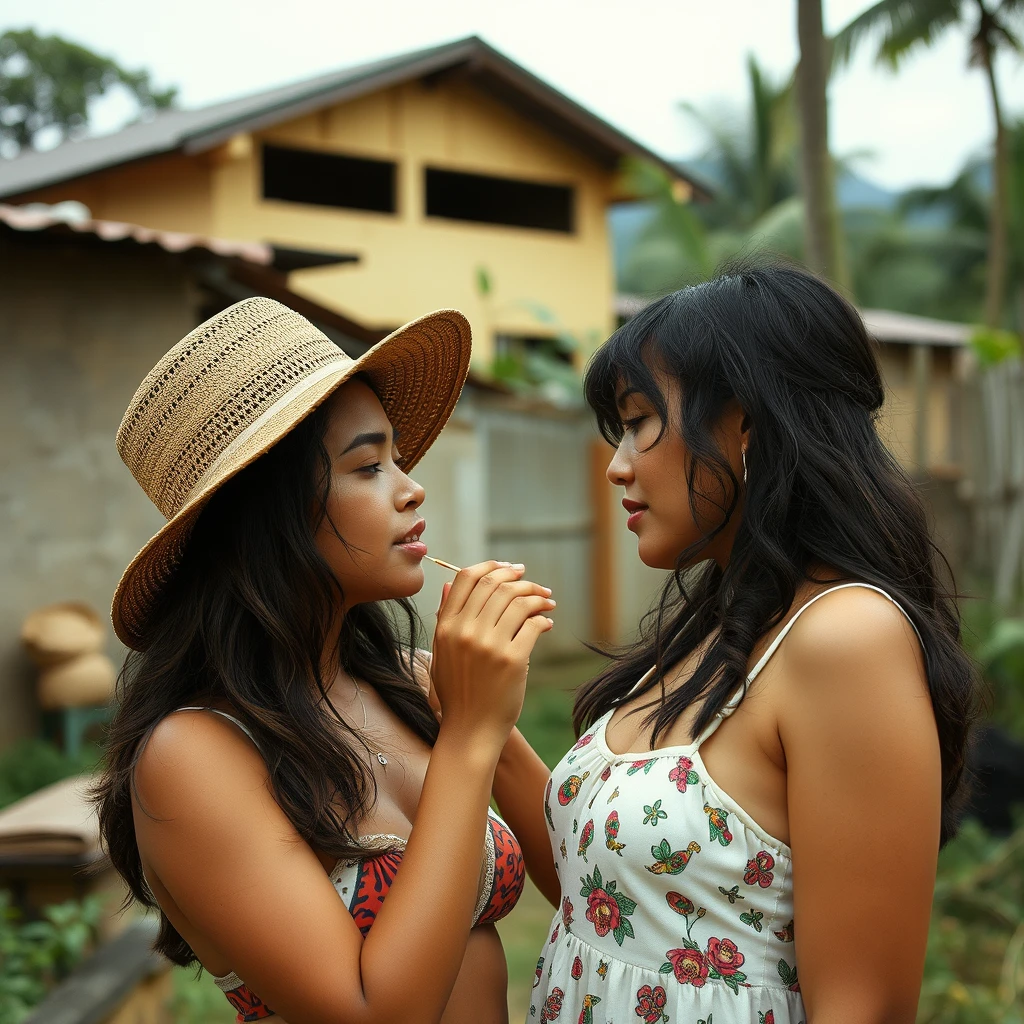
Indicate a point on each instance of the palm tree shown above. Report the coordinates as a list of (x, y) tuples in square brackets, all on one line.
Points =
[(752, 163), (821, 221), (754, 156), (907, 24)]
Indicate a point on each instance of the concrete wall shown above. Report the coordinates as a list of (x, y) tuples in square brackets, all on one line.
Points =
[(410, 264), (79, 328)]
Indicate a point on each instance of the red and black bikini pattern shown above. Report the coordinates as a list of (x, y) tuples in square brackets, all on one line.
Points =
[(509, 874), (249, 1005), (375, 878)]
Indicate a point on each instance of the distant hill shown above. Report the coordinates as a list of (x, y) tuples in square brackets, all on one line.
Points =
[(853, 192)]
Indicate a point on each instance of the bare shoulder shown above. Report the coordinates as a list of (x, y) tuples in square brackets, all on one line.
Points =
[(853, 660), (195, 752), (852, 631)]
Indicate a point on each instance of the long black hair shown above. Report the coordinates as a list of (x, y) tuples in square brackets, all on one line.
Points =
[(823, 490), (245, 620)]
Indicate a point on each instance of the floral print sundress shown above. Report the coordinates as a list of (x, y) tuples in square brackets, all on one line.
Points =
[(676, 905)]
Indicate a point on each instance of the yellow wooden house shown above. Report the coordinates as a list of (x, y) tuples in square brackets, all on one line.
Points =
[(454, 176)]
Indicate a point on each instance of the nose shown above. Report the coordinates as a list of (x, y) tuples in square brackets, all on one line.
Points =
[(409, 495), (620, 470)]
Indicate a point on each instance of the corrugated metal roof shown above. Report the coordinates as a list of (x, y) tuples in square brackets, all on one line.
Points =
[(193, 131), (903, 328), (21, 219)]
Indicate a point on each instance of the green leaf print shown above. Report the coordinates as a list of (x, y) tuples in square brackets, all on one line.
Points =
[(753, 919), (624, 931), (591, 882), (652, 815), (788, 975), (732, 895), (644, 766)]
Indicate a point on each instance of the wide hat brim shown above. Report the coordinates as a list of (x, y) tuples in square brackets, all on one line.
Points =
[(418, 373)]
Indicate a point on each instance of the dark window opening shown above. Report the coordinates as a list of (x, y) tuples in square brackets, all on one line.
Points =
[(487, 200), (326, 179)]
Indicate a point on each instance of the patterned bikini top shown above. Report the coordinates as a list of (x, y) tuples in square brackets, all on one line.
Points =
[(363, 884)]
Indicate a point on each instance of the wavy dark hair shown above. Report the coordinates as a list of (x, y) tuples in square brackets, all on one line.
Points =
[(823, 490), (245, 620)]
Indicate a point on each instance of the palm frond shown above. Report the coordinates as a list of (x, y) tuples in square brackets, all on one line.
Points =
[(902, 25)]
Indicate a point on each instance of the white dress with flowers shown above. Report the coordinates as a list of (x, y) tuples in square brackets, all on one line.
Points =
[(676, 905)]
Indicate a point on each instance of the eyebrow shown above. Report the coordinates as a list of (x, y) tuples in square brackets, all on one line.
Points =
[(366, 439), (620, 401)]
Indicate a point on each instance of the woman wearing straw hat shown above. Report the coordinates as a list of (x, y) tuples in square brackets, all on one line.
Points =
[(273, 741)]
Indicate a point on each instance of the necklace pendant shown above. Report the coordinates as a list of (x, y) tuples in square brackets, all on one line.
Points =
[(383, 760)]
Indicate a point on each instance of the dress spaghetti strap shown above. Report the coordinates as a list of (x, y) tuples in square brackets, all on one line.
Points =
[(223, 714), (766, 657)]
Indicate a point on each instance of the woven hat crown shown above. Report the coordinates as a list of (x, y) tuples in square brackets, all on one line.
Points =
[(213, 385)]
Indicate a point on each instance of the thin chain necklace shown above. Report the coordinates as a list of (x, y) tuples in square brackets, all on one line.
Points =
[(376, 753)]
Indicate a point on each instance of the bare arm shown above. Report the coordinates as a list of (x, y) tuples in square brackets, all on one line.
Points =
[(519, 782), (864, 792), (242, 877)]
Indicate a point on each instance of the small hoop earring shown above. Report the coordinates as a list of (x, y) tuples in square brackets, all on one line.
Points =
[(743, 456)]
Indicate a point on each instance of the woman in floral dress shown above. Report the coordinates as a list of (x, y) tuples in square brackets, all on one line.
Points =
[(747, 827)]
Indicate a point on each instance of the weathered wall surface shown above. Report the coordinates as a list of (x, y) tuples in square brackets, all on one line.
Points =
[(79, 328)]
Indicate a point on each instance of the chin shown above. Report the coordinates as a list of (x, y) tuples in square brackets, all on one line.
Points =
[(656, 555), (406, 583)]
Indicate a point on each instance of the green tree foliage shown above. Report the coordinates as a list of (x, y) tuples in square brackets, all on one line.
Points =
[(929, 255), (47, 83), (904, 26), (754, 157)]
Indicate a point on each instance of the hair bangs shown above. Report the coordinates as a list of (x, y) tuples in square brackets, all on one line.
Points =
[(622, 364)]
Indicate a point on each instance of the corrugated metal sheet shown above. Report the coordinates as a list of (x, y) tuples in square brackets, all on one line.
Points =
[(25, 219)]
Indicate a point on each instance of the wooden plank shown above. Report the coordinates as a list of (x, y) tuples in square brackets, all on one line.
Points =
[(95, 989), (922, 372)]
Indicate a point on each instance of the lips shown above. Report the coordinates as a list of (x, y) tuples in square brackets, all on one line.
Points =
[(414, 533), (636, 510)]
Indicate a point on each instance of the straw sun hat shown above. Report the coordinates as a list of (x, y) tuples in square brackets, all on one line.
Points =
[(231, 389)]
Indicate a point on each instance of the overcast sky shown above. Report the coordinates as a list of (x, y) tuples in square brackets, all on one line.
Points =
[(631, 61)]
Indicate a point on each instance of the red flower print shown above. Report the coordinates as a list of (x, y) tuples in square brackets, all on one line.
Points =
[(603, 912), (606, 774), (679, 903), (759, 870), (688, 965), (583, 741), (552, 1006), (577, 969), (724, 957), (768, 1017), (683, 774), (554, 936), (650, 1003), (566, 911)]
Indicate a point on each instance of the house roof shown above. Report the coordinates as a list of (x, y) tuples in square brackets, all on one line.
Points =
[(195, 131), (54, 221), (903, 328)]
